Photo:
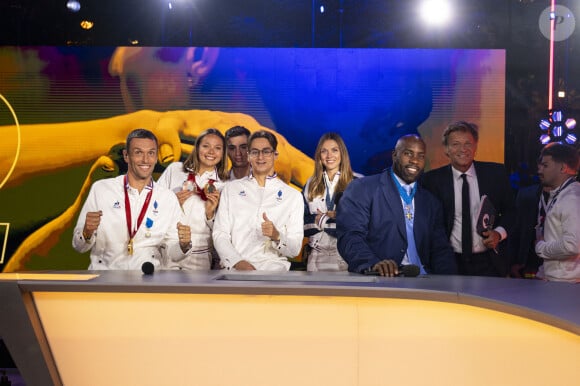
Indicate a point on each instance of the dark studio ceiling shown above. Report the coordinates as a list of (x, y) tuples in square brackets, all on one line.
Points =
[(294, 23)]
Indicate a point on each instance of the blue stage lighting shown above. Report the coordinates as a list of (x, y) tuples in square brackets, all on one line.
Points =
[(556, 129), (544, 124), (571, 138), (544, 139)]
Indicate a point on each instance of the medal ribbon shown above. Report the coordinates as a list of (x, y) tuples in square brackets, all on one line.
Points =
[(133, 232), (407, 198), (200, 192)]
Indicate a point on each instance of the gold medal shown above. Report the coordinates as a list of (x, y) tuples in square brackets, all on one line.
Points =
[(408, 213), (130, 247)]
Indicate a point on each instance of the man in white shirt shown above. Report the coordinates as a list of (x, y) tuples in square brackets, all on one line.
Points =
[(558, 226), (129, 220), (259, 222)]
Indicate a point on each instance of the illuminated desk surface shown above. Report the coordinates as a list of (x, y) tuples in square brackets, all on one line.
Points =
[(356, 301)]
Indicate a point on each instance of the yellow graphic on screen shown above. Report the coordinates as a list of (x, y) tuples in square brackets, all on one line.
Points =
[(6, 226), (81, 143)]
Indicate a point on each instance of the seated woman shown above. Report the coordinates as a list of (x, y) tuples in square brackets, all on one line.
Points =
[(197, 182), (332, 173)]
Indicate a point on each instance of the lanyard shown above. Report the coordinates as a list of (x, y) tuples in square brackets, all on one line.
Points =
[(542, 203), (133, 232), (407, 197), (329, 200)]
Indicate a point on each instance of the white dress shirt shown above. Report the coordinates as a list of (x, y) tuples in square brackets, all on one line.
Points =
[(475, 203)]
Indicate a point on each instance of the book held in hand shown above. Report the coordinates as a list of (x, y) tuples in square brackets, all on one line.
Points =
[(486, 215)]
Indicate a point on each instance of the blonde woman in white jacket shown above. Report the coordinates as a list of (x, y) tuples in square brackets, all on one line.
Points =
[(322, 192)]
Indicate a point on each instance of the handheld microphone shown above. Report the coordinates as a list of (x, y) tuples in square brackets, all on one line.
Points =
[(410, 270), (148, 268)]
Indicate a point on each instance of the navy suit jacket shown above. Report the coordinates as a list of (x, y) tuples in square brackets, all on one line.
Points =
[(370, 226), (524, 233), (494, 182)]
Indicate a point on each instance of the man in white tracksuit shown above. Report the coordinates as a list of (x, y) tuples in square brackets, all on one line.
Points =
[(558, 225), (129, 220), (259, 222)]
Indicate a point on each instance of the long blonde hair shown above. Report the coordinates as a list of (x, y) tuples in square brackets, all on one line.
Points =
[(192, 164), (317, 185)]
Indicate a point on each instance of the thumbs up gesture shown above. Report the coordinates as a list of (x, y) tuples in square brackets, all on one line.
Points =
[(268, 228)]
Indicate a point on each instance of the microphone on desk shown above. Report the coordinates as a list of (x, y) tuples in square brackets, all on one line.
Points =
[(408, 270), (148, 268)]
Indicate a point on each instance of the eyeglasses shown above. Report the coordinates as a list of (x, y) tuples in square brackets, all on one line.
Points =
[(267, 153)]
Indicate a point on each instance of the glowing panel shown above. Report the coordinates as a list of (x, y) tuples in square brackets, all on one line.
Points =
[(184, 339)]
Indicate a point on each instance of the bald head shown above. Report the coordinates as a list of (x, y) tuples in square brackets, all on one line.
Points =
[(408, 139)]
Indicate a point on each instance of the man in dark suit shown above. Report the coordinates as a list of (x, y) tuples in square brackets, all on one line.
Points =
[(386, 220), (467, 181), (525, 260)]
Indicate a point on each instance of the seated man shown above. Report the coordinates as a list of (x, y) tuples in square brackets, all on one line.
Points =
[(387, 220), (129, 220), (259, 222), (558, 227)]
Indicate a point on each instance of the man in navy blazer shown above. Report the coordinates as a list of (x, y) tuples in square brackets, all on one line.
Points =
[(372, 214), (489, 255), (525, 262)]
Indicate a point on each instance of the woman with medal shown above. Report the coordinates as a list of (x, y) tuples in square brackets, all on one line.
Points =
[(332, 173), (197, 182)]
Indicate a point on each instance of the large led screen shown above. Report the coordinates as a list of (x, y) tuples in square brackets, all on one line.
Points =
[(75, 105)]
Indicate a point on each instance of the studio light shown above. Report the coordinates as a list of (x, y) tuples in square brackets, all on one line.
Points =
[(435, 12), (87, 24), (556, 128), (73, 5)]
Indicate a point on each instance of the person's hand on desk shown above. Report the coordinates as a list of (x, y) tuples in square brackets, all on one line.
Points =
[(243, 265), (386, 268)]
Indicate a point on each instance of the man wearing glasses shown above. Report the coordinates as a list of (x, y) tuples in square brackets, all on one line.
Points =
[(259, 222)]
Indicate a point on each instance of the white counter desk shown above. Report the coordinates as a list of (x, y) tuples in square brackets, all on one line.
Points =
[(218, 328)]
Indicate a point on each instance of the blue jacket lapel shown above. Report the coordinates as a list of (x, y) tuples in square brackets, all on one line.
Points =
[(393, 201)]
